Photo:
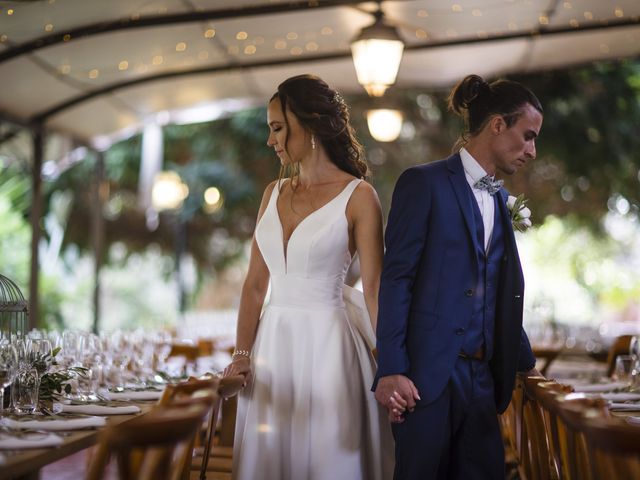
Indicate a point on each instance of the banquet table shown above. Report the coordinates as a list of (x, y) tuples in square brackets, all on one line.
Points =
[(26, 464)]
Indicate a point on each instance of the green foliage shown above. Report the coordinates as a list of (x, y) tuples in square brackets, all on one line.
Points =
[(53, 384)]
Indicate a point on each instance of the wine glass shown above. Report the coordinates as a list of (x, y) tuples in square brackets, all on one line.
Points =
[(40, 355), (8, 368)]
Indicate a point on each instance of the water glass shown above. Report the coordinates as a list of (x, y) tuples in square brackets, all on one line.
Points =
[(26, 386), (624, 367), (8, 368), (634, 346)]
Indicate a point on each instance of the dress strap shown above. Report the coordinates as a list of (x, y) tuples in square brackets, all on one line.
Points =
[(345, 195)]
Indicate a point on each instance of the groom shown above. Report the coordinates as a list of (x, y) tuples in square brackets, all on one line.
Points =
[(450, 336)]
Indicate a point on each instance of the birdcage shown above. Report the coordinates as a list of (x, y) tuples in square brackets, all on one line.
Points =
[(14, 309)]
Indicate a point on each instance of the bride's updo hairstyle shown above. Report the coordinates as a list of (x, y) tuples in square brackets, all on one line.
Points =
[(476, 101), (323, 112)]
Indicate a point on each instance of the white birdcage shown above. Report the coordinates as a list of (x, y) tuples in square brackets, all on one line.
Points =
[(14, 309)]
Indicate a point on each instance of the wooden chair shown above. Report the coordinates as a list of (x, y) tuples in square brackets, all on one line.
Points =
[(547, 355), (510, 425), (571, 411), (151, 446), (535, 450), (195, 388), (217, 460), (547, 394), (620, 346), (188, 351), (613, 447)]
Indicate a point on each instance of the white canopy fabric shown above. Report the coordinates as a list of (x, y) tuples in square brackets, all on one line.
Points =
[(110, 66)]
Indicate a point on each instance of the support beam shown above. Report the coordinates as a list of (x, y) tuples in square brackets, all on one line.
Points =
[(162, 20), (36, 218), (100, 192)]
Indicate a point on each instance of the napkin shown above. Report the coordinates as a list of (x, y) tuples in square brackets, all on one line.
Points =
[(621, 396), (31, 440), (631, 407), (90, 409), (58, 424), (633, 420), (599, 387), (132, 395)]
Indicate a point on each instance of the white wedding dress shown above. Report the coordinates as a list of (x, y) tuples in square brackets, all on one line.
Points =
[(309, 412)]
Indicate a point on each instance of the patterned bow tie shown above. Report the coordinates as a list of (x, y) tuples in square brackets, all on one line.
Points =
[(489, 184)]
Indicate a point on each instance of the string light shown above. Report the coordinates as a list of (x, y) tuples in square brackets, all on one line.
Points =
[(157, 60), (181, 47), (311, 46), (48, 27), (280, 45), (249, 49), (94, 73), (210, 33), (296, 51), (123, 65), (326, 31), (241, 36), (292, 36)]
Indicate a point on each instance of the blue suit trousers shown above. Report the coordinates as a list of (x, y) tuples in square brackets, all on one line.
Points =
[(457, 436)]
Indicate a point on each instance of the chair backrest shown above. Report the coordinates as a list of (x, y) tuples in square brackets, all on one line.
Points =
[(547, 394), (535, 455), (228, 388), (571, 411), (620, 346), (151, 446), (190, 352)]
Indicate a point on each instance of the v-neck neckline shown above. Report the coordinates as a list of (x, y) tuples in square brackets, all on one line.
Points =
[(285, 247)]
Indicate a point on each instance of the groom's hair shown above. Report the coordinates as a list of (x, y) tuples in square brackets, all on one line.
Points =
[(476, 101)]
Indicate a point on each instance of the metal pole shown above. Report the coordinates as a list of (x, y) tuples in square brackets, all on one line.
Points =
[(36, 218), (181, 245), (97, 229)]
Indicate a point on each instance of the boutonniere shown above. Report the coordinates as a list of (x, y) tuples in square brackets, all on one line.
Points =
[(519, 212)]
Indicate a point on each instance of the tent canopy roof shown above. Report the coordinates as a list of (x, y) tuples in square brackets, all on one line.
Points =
[(99, 70)]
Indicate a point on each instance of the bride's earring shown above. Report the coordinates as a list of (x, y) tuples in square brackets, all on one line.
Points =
[(313, 142)]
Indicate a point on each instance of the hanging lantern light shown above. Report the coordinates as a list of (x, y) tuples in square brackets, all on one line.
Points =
[(168, 191), (377, 51), (384, 124)]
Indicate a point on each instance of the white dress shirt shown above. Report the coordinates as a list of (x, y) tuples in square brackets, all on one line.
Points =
[(474, 172)]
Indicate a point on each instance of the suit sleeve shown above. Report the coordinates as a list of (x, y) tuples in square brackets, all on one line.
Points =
[(405, 238), (526, 358)]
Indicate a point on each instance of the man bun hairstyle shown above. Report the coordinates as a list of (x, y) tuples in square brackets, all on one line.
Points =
[(476, 101)]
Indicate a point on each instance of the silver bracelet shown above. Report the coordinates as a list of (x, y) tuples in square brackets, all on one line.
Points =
[(241, 353)]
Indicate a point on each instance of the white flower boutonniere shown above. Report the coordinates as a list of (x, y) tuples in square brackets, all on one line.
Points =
[(519, 212)]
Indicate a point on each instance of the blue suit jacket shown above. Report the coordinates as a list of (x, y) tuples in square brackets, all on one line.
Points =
[(428, 284)]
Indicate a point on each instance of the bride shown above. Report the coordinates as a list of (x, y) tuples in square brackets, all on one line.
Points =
[(307, 412)]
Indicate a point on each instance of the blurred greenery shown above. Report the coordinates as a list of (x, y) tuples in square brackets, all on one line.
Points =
[(588, 165)]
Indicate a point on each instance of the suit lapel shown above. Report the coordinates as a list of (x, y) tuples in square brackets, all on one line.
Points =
[(511, 248), (463, 195)]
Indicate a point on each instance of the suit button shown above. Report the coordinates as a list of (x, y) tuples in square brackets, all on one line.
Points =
[(468, 293), (459, 331)]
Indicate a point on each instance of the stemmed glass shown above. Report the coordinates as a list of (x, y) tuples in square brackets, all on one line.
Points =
[(40, 355), (8, 368)]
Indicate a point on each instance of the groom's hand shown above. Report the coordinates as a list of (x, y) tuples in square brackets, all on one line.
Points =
[(398, 394)]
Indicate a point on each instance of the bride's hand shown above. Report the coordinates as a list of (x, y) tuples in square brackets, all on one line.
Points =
[(239, 366)]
